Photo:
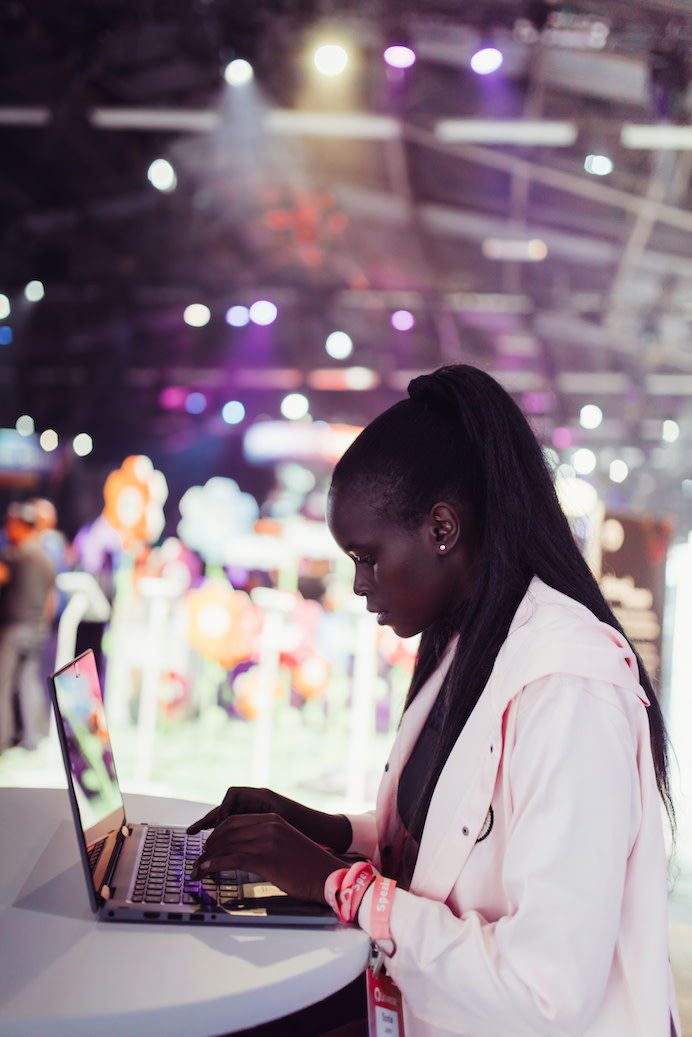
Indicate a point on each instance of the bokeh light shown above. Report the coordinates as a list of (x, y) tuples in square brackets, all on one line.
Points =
[(196, 403), (263, 312), (402, 320), (598, 165), (82, 444), (339, 345), (399, 56), (671, 431), (584, 461), (6, 335), (590, 416), (172, 397), (487, 60), (197, 315), (238, 72), (4, 306), (237, 316), (294, 406), (48, 440), (25, 425), (330, 59), (162, 175), (34, 291), (233, 412), (618, 470)]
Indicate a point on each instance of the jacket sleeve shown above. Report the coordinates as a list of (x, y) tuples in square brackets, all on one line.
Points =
[(364, 828), (542, 968)]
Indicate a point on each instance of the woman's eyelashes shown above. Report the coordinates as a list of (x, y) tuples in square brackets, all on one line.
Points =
[(362, 559)]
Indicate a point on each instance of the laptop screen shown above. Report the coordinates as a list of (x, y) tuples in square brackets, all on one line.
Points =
[(86, 745)]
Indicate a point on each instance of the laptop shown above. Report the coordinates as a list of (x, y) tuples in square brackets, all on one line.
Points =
[(141, 872)]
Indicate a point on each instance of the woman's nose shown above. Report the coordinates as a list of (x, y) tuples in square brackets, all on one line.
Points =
[(359, 584)]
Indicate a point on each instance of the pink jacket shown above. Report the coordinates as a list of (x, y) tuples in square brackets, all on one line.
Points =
[(554, 923)]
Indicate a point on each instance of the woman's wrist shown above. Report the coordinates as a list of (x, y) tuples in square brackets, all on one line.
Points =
[(334, 831), (364, 921), (344, 889)]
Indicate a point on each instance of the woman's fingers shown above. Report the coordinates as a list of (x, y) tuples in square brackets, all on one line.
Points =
[(238, 800), (269, 846), (209, 820)]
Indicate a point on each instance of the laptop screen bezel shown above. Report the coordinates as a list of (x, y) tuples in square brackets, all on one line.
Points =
[(113, 822)]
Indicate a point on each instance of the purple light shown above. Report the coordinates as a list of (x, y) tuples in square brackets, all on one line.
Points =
[(486, 61), (402, 320), (172, 397), (399, 56), (562, 438), (263, 312), (196, 403)]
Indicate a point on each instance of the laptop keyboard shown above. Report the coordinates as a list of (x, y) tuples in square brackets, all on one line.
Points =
[(164, 871), (94, 852)]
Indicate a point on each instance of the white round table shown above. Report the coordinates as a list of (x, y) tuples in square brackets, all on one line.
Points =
[(62, 972)]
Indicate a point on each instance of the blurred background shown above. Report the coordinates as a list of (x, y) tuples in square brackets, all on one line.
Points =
[(230, 234)]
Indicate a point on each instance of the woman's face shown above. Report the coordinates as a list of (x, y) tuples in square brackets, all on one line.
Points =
[(405, 577)]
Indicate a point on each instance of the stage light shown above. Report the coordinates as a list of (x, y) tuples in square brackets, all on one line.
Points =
[(487, 60), (4, 307), (590, 416), (664, 137), (82, 444), (6, 335), (294, 406), (34, 291), (551, 133), (237, 316), (48, 440), (25, 425), (197, 315), (196, 403), (402, 320), (516, 250), (233, 412), (399, 56), (238, 72), (330, 59), (598, 165), (339, 345), (263, 312), (161, 175)]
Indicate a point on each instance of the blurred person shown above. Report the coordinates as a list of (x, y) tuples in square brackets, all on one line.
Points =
[(27, 607), (52, 540)]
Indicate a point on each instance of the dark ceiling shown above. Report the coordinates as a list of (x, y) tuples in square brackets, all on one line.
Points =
[(340, 221)]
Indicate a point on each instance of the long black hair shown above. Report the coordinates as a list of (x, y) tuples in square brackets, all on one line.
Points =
[(461, 438)]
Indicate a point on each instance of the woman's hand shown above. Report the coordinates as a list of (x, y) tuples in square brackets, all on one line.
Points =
[(333, 830), (267, 844)]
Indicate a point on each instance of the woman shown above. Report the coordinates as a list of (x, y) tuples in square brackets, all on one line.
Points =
[(519, 812)]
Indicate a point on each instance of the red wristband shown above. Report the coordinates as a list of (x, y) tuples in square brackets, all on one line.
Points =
[(345, 888), (382, 897), (332, 887)]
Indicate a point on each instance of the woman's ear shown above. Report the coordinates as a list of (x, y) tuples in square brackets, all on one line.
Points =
[(444, 525)]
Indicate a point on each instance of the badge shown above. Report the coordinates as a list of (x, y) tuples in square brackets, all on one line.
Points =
[(385, 1006)]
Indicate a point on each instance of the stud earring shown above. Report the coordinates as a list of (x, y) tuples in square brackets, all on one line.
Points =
[(443, 547)]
